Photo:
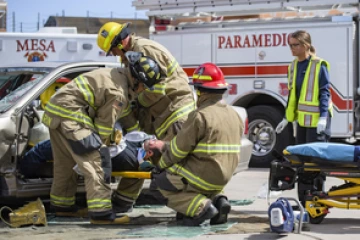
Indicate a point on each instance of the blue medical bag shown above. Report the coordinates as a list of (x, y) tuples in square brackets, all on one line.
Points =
[(281, 216)]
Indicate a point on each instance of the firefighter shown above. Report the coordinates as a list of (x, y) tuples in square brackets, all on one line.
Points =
[(164, 101), (201, 159), (170, 100), (81, 117), (309, 101)]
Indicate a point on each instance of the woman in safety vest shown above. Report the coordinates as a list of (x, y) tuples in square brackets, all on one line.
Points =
[(309, 101)]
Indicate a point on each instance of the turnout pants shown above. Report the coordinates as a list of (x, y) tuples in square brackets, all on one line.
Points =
[(182, 196), (64, 186)]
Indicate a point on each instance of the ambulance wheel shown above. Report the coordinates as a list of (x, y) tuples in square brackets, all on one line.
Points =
[(262, 124), (317, 220)]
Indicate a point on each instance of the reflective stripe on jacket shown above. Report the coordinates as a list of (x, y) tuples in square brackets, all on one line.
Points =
[(206, 151), (172, 98), (94, 99)]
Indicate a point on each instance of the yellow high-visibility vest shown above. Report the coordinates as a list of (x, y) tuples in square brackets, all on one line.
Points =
[(307, 110)]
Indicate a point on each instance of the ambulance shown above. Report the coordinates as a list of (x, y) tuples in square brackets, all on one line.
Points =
[(248, 39), (52, 44)]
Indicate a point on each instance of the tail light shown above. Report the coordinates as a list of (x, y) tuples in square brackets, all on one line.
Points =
[(246, 130), (160, 28), (162, 21)]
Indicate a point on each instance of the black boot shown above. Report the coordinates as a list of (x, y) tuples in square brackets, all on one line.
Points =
[(223, 206), (208, 213), (120, 205), (179, 216), (73, 211)]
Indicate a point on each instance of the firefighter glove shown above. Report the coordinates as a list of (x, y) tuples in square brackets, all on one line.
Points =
[(280, 127), (156, 171), (321, 125), (106, 163), (117, 136)]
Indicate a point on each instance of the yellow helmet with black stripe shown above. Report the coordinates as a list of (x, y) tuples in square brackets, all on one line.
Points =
[(111, 34)]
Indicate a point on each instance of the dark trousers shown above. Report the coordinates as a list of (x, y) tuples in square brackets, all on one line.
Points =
[(308, 135), (35, 163), (126, 160), (306, 180)]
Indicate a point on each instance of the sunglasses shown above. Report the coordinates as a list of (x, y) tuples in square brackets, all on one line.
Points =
[(294, 45)]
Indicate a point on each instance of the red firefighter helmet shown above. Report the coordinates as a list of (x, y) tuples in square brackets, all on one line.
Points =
[(209, 76)]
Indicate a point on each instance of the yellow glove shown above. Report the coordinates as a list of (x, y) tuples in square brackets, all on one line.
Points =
[(117, 136)]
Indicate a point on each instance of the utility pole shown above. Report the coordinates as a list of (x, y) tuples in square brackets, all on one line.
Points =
[(21, 27), (87, 21), (13, 22), (136, 22), (38, 23), (63, 17), (111, 15), (4, 20)]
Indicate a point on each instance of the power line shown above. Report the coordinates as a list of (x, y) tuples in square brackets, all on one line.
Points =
[(13, 24)]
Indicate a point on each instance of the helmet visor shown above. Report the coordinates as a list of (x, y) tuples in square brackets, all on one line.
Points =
[(116, 42)]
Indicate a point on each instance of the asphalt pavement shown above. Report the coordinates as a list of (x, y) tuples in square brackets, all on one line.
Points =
[(248, 220)]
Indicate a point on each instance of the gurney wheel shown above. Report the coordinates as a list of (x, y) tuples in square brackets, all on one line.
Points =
[(309, 182), (317, 220)]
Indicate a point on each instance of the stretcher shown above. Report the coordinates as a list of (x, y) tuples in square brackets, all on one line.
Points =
[(309, 165), (142, 175)]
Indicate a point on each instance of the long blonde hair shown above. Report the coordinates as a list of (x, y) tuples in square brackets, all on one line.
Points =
[(304, 38)]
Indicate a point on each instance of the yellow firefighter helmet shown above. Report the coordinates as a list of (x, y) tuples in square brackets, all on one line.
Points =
[(51, 90), (111, 34)]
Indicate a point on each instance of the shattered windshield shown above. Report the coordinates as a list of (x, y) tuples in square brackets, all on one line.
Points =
[(15, 82)]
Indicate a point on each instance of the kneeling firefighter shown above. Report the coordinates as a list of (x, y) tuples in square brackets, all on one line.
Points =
[(81, 117), (201, 159)]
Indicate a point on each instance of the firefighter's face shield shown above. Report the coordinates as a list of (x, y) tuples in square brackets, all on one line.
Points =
[(116, 43)]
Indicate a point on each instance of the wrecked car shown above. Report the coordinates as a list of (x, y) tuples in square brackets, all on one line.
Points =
[(24, 91)]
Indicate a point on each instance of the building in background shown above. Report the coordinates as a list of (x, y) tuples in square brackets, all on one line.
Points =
[(3, 8), (92, 25)]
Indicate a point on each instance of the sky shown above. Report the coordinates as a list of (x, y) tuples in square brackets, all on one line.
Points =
[(26, 11)]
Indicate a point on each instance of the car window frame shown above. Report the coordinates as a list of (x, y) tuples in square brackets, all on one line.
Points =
[(48, 83)]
